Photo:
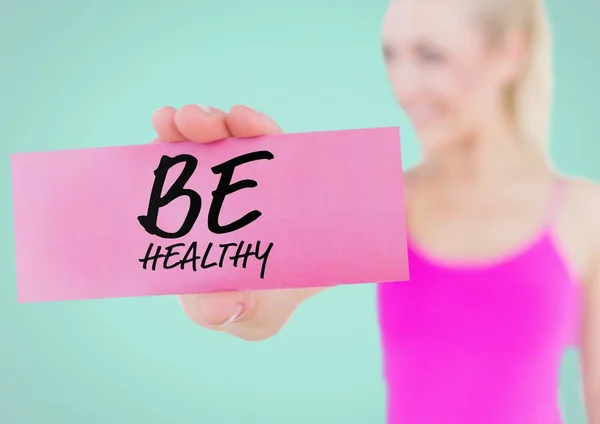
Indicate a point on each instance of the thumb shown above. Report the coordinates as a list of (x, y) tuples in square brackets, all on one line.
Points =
[(218, 309)]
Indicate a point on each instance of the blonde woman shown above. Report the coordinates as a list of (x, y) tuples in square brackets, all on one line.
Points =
[(504, 252)]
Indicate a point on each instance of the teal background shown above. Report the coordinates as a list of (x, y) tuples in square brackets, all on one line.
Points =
[(82, 74)]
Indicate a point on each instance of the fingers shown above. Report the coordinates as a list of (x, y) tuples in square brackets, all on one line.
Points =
[(196, 123), (163, 122), (244, 122), (203, 124)]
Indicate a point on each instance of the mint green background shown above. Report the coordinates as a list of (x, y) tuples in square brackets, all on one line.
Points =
[(81, 74)]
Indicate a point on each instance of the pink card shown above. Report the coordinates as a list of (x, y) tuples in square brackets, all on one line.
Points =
[(280, 211)]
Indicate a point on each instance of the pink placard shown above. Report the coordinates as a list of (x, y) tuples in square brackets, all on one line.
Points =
[(280, 211)]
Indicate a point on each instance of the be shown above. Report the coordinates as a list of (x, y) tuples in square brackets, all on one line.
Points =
[(178, 189)]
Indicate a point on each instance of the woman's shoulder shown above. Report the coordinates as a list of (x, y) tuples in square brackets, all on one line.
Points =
[(583, 200), (581, 218)]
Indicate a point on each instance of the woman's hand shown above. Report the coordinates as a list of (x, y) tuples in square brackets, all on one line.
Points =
[(253, 315)]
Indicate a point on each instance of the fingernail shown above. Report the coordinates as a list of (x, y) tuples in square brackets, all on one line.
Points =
[(204, 109), (170, 108), (237, 312), (249, 109)]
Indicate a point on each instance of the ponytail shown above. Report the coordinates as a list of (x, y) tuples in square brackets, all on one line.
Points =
[(530, 99)]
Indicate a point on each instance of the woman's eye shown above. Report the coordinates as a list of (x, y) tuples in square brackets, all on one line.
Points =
[(387, 54), (430, 56)]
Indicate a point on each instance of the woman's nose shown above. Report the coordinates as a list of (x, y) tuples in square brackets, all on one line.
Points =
[(406, 83)]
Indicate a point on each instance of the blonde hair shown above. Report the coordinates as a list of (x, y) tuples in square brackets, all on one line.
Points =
[(530, 100)]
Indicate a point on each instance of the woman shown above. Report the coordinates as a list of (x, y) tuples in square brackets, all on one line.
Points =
[(504, 253)]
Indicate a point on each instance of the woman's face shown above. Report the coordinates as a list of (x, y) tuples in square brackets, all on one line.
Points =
[(443, 72)]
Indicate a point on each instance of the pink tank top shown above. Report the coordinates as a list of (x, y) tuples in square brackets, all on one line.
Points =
[(480, 343)]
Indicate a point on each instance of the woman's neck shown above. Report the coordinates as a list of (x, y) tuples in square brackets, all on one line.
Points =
[(484, 157)]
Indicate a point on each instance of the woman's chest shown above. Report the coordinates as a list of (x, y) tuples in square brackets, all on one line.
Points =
[(491, 229), (522, 306)]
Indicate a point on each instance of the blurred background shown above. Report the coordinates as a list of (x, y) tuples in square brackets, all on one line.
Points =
[(83, 74)]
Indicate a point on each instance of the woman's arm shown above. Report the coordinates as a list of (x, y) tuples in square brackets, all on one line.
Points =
[(591, 347), (588, 203)]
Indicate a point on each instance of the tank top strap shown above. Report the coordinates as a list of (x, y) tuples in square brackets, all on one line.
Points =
[(556, 203)]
